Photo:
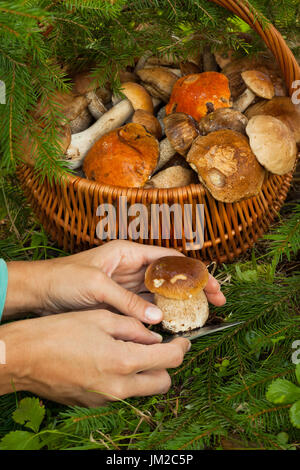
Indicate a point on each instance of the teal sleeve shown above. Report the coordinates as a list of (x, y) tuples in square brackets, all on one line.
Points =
[(3, 285)]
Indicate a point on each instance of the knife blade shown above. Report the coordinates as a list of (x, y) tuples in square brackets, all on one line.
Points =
[(199, 332)]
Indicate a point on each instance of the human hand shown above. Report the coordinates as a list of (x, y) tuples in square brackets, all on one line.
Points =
[(87, 358), (109, 275)]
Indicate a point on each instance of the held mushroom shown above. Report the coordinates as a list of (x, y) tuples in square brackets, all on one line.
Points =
[(158, 81), (258, 84), (223, 118), (282, 108), (273, 144), (199, 94), (226, 165), (177, 283), (181, 130), (124, 157)]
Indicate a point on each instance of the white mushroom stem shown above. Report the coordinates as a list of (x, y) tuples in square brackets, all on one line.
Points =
[(244, 101), (96, 107), (166, 152), (83, 141), (142, 61)]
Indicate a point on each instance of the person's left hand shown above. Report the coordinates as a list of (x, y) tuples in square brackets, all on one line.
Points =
[(109, 275)]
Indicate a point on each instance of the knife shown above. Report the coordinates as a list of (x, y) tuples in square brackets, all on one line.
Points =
[(199, 332)]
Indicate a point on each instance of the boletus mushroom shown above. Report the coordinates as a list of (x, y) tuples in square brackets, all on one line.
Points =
[(281, 108), (124, 157), (226, 165), (199, 94), (258, 84), (273, 143), (181, 130), (158, 81), (177, 283), (223, 118), (149, 121)]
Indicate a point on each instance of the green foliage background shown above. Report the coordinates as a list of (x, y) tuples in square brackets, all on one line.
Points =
[(219, 395)]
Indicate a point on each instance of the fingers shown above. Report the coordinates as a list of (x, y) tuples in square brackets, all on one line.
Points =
[(138, 358), (152, 382), (213, 292), (128, 329), (108, 291)]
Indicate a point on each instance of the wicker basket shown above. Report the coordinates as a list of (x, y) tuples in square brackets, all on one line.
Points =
[(67, 209)]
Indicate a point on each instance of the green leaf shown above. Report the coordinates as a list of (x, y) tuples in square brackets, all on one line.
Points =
[(30, 413), (283, 438), (295, 414), (20, 440), (283, 392), (298, 373)]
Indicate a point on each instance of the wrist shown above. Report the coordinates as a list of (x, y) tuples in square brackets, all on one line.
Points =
[(27, 287)]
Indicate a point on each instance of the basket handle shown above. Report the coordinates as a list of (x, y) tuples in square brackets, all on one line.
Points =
[(272, 38)]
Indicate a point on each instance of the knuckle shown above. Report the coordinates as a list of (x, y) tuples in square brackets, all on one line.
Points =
[(131, 301), (126, 365)]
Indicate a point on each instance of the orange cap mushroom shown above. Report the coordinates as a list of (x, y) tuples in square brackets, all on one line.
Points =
[(126, 157), (199, 94)]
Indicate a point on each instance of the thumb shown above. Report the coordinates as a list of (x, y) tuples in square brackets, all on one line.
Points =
[(127, 302)]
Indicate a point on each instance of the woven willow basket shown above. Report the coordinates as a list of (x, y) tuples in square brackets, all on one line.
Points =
[(67, 209)]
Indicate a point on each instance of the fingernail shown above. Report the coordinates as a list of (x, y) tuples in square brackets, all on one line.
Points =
[(153, 314), (157, 336), (224, 298)]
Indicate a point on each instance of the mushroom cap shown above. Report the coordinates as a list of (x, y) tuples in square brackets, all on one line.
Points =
[(263, 62), (199, 94), (84, 82), (223, 118), (226, 165), (138, 96), (273, 144), (126, 157), (158, 81), (176, 277), (69, 104), (30, 146), (259, 83), (181, 130), (149, 121), (282, 108), (183, 315)]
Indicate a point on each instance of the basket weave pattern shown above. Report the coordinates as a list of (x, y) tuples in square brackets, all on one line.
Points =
[(67, 209)]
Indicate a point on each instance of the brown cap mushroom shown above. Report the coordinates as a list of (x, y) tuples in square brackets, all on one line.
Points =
[(226, 165), (124, 157), (158, 81), (263, 62), (178, 283), (86, 84), (181, 130), (282, 108), (223, 118), (273, 144), (149, 121), (138, 96), (258, 84)]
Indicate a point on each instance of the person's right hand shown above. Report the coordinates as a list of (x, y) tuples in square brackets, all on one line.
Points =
[(87, 358)]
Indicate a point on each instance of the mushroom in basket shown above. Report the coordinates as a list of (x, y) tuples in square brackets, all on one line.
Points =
[(199, 94), (177, 283)]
